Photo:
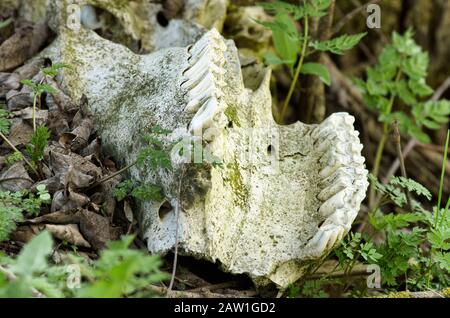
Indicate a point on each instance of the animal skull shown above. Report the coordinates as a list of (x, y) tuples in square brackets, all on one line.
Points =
[(282, 197)]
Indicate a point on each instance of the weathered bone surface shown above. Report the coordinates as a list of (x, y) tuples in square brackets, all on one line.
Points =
[(139, 18), (283, 195)]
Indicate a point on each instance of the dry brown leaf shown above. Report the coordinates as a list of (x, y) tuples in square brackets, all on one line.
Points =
[(16, 100), (15, 179), (93, 149), (95, 228), (61, 159), (69, 233), (52, 184), (128, 211), (67, 201), (109, 206), (22, 45), (27, 114), (64, 102), (57, 122), (26, 233), (79, 136), (56, 218), (26, 71), (20, 133), (77, 179)]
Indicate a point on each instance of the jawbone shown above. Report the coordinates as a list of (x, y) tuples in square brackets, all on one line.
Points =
[(282, 196)]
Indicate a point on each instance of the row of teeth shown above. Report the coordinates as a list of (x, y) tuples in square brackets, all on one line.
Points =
[(344, 178), (204, 80), (343, 182)]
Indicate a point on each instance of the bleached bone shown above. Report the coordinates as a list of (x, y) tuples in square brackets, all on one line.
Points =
[(139, 18), (282, 197)]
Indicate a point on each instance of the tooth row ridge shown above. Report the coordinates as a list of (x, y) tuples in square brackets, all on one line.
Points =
[(343, 180), (204, 81)]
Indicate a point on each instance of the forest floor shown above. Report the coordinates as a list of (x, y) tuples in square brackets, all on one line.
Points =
[(62, 151)]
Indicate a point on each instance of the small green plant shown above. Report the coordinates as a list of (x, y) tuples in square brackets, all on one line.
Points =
[(5, 126), (14, 204), (145, 192), (119, 272), (154, 155), (13, 158), (356, 248), (40, 88), (292, 48), (123, 189), (37, 144), (415, 252), (396, 88)]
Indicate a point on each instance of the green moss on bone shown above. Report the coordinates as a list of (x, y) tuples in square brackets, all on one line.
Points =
[(232, 115), (235, 180)]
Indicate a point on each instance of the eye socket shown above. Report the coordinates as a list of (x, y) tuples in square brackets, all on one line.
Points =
[(162, 20)]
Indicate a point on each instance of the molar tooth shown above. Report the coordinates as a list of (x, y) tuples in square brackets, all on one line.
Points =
[(208, 39), (335, 202), (342, 172), (349, 120), (357, 147), (203, 63), (195, 103), (359, 159), (327, 171), (194, 80), (208, 52), (204, 84), (337, 185), (204, 116)]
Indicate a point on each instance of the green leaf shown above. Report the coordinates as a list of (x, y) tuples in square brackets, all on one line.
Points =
[(33, 257), (285, 39), (405, 94), (318, 70), (338, 45), (439, 238), (272, 59), (123, 189), (29, 83), (419, 87), (5, 125), (5, 23), (53, 70)]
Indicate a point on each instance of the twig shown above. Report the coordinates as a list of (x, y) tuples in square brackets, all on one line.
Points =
[(16, 178), (177, 215), (16, 150), (441, 90), (413, 142), (214, 287), (350, 16), (115, 174), (396, 164), (203, 294), (297, 70)]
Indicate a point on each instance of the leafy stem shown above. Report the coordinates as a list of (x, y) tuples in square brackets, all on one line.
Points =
[(298, 69), (382, 143)]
